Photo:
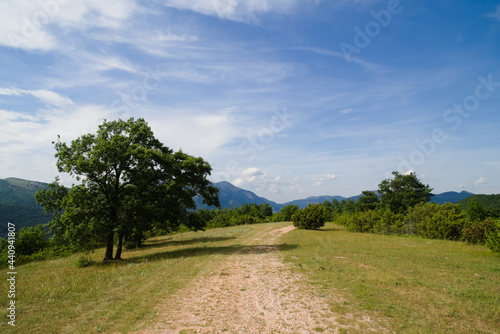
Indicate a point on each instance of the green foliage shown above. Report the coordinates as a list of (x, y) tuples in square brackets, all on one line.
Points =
[(130, 181), (245, 215), (245, 220), (367, 201), (222, 218), (31, 240), (382, 221), (475, 211), (489, 203), (477, 230), (262, 211), (493, 237), (84, 261), (434, 221), (403, 192), (285, 214), (311, 217)]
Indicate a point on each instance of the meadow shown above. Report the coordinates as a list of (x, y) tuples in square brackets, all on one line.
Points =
[(416, 285)]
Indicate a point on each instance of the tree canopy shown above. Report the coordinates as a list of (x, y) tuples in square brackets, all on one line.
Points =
[(129, 180), (403, 192)]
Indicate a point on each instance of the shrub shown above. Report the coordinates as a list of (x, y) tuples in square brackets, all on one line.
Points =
[(493, 237), (361, 221), (310, 218), (31, 240), (84, 261), (375, 221), (436, 221), (476, 232), (245, 220)]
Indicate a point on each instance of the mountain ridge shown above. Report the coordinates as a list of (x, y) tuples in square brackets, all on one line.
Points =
[(18, 205)]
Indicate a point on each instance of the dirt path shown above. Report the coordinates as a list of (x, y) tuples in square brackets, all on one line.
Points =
[(252, 292)]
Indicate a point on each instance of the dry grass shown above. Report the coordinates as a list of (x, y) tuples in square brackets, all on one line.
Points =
[(422, 286), (57, 297)]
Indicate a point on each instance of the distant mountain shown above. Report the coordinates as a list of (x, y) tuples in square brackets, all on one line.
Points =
[(450, 197), (20, 192), (17, 202), (18, 205), (231, 196), (490, 202), (302, 203)]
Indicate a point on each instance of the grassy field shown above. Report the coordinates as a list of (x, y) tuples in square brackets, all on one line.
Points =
[(57, 297), (419, 285), (422, 286)]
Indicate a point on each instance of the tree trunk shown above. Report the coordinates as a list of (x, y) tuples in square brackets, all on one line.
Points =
[(109, 247), (138, 239), (119, 246)]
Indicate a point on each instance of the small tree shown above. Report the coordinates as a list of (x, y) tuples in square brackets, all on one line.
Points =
[(287, 212), (367, 201), (403, 192), (310, 218), (493, 237), (476, 211)]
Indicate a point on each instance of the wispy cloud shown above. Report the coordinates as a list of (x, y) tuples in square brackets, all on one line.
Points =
[(496, 14), (36, 25), (480, 181), (46, 96), (236, 10)]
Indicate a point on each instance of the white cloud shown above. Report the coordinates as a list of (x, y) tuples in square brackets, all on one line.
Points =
[(46, 96), (236, 10), (197, 133), (28, 138), (28, 24), (331, 176), (480, 181), (249, 176)]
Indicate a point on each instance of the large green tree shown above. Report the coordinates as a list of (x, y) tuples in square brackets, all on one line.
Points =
[(129, 180), (403, 192)]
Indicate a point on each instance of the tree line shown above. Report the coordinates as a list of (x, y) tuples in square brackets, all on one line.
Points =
[(132, 187), (402, 206)]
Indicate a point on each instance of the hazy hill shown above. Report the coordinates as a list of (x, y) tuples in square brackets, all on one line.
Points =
[(20, 192), (302, 203), (231, 196), (450, 197), (490, 202), (18, 205), (17, 202)]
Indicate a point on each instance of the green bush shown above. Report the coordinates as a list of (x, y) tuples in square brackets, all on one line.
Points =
[(375, 221), (245, 220), (435, 221), (493, 237), (476, 232), (310, 218), (84, 261), (31, 240)]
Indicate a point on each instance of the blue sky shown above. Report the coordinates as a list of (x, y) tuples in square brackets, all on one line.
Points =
[(286, 98)]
